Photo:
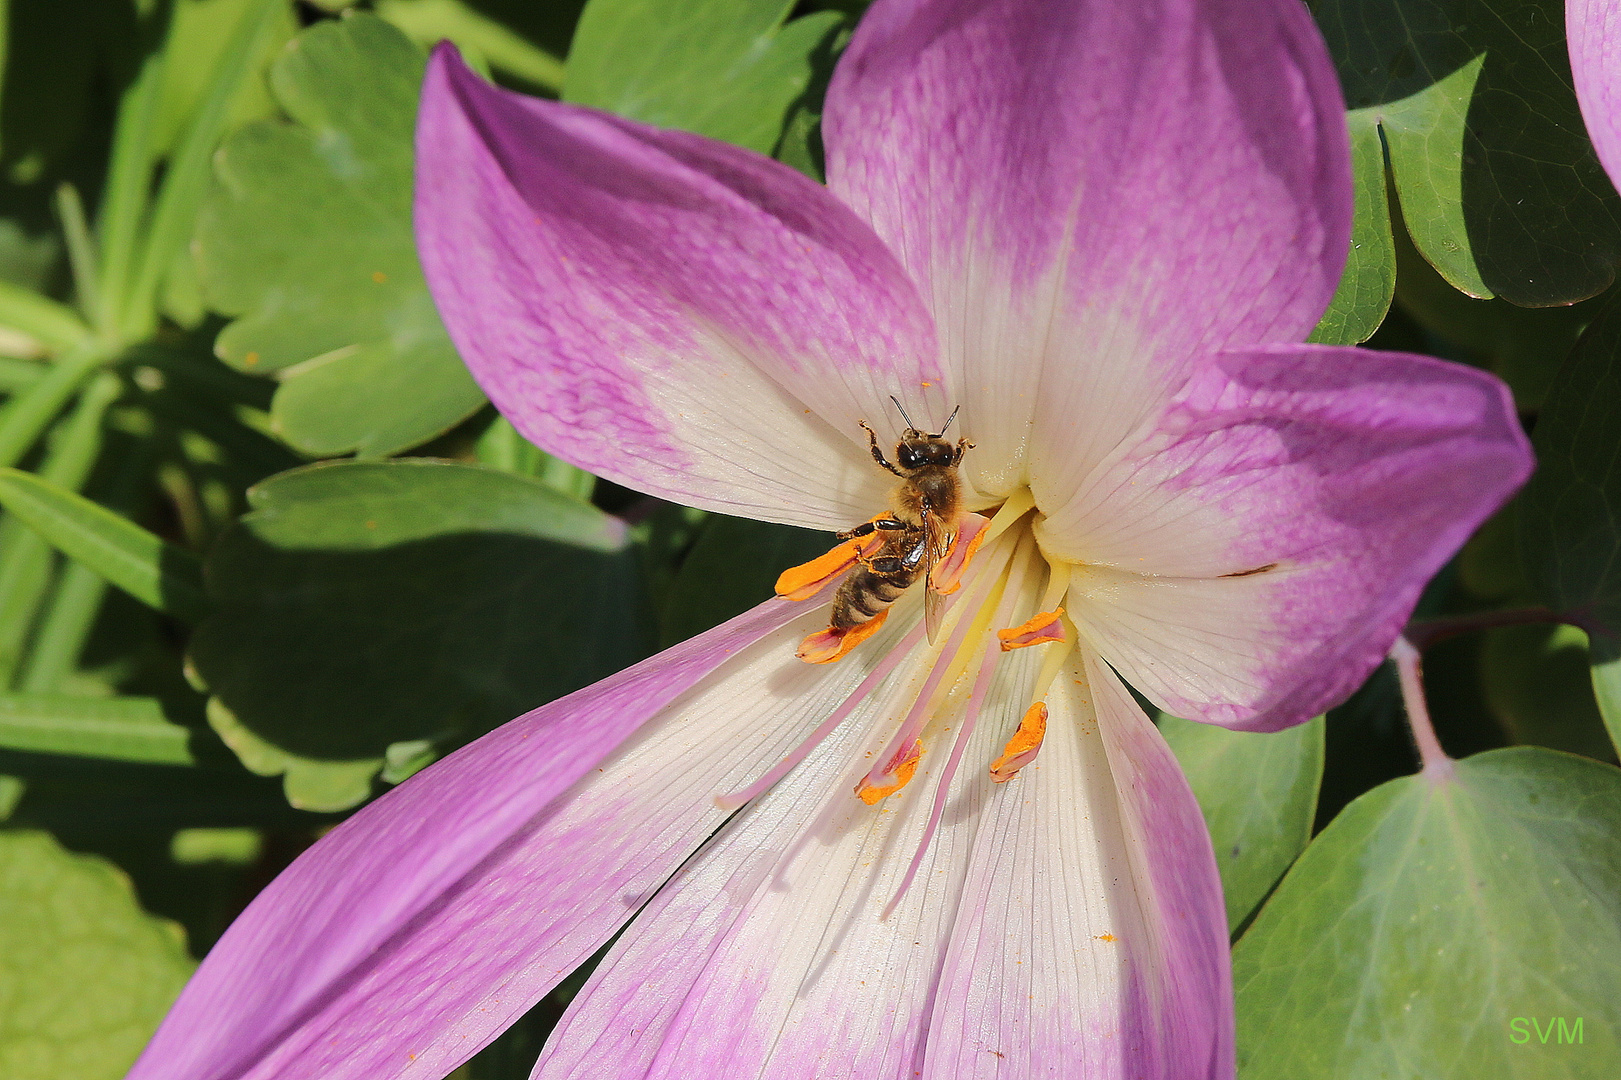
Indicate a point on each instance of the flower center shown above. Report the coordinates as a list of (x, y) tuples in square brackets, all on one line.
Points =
[(1000, 593)]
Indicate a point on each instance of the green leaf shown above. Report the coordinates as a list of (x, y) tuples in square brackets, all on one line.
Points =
[(199, 33), (1259, 796), (365, 604), (52, 324), (1607, 685), (1570, 514), (1369, 281), (729, 69), (122, 729), (501, 447), (1523, 346), (31, 412), (1430, 916), (307, 239), (1536, 680), (262, 26), (149, 568), (85, 974), (733, 565), (308, 784), (1497, 181), (477, 35)]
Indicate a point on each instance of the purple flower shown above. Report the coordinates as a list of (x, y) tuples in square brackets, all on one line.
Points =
[(1593, 31), (1102, 229)]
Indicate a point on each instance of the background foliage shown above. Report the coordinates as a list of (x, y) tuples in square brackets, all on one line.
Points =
[(265, 550)]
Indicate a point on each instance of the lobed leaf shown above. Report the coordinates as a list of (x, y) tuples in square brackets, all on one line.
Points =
[(1497, 181), (85, 974), (516, 42), (1369, 280), (1537, 681), (307, 240), (1570, 517), (362, 605), (1259, 796), (1430, 916), (728, 69)]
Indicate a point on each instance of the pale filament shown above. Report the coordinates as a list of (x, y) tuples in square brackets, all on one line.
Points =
[(1011, 590), (898, 652), (949, 659), (994, 592)]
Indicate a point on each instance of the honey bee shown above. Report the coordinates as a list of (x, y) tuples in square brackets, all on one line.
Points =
[(922, 519)]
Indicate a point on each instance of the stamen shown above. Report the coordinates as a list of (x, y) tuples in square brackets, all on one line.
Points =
[(947, 576), (1044, 627), (1021, 749), (1018, 504), (1058, 575), (826, 646), (976, 701), (901, 770), (807, 579), (901, 650), (949, 660)]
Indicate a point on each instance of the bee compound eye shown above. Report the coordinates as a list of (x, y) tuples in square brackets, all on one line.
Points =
[(908, 457)]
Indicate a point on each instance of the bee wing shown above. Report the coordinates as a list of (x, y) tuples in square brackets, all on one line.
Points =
[(935, 541)]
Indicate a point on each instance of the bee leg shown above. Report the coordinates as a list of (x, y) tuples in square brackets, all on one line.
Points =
[(878, 454), (963, 446), (867, 528)]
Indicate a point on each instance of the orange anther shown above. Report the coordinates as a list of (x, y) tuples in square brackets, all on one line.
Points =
[(807, 579), (902, 771), (826, 646), (1021, 749), (1045, 627)]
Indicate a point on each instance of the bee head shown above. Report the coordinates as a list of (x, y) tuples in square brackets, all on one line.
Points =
[(918, 449)]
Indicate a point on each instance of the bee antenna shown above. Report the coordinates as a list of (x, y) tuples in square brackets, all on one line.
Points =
[(949, 419), (902, 411)]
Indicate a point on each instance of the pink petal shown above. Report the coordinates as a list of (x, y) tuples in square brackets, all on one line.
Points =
[(1092, 939), (1091, 194), (1250, 557), (1593, 28), (768, 954), (420, 928), (676, 314)]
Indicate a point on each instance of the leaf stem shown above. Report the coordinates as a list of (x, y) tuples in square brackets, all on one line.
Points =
[(129, 179), (25, 557), (81, 252), (71, 612), (1410, 671), (30, 411), (174, 210), (1422, 633)]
